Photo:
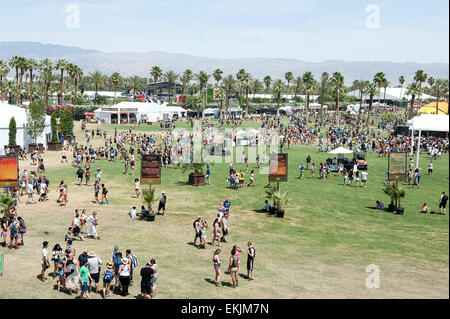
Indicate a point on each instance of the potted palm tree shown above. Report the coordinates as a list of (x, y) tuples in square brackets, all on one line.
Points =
[(279, 198), (197, 176), (149, 198), (389, 190), (12, 145), (399, 193)]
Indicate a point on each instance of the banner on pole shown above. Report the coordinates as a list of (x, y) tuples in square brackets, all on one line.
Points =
[(397, 166), (9, 171), (278, 167), (151, 169)]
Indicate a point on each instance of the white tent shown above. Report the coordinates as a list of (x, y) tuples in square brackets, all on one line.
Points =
[(7, 111), (427, 122), (340, 150), (392, 94), (141, 111)]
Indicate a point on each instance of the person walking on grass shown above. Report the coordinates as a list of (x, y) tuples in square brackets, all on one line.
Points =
[(196, 225), (94, 263), (96, 191), (155, 268), (79, 174), (57, 254), (252, 179), (364, 178), (203, 234), (430, 168), (93, 227), (30, 192), (87, 173), (14, 233), (250, 260), (216, 262), (233, 268), (104, 193), (22, 229), (301, 167), (147, 273), (443, 203), (162, 203), (44, 261), (124, 275), (313, 170), (208, 174), (108, 275), (137, 187), (84, 277), (216, 233)]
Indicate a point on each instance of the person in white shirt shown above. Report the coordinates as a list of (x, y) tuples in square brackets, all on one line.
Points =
[(132, 212), (93, 227), (136, 187), (30, 192), (364, 178), (43, 191), (44, 261)]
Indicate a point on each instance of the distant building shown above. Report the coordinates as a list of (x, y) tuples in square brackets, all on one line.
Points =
[(162, 88), (393, 95)]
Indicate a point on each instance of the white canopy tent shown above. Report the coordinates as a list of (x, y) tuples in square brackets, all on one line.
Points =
[(141, 111), (7, 111), (427, 122)]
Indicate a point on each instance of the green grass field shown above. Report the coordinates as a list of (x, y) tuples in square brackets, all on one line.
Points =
[(319, 250)]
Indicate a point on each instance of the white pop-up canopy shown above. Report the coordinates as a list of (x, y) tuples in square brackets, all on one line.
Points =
[(7, 111), (427, 122), (340, 150)]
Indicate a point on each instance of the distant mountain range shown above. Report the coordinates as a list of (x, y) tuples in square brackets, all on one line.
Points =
[(131, 63)]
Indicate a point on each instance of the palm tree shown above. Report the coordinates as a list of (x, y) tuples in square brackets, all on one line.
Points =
[(78, 74), (171, 78), (246, 83), (32, 65), (379, 78), (267, 82), (412, 89), (135, 83), (185, 80), (61, 65), (221, 95), (337, 84), (288, 76), (324, 81), (298, 82), (4, 70), (278, 88), (15, 63), (23, 66), (371, 91), (217, 74), (149, 197), (156, 73), (202, 79), (401, 80), (46, 68), (441, 87), (228, 83), (115, 80), (385, 86), (361, 86), (97, 79), (256, 86), (420, 76), (309, 83)]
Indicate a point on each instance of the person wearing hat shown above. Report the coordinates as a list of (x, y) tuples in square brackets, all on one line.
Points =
[(116, 259), (94, 263), (162, 202), (124, 275), (108, 275)]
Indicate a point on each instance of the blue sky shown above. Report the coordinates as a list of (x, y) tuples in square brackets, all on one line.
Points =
[(315, 31)]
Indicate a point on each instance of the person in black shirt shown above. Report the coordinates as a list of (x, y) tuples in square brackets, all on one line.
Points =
[(80, 174), (146, 281), (250, 260), (443, 202), (162, 203)]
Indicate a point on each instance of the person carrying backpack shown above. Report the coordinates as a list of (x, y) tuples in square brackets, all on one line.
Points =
[(233, 268), (108, 274), (14, 233)]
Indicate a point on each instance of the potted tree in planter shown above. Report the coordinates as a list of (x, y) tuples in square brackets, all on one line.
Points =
[(55, 144), (389, 190), (35, 122), (197, 176), (399, 193), (5, 205), (149, 198), (279, 198), (12, 136), (66, 120)]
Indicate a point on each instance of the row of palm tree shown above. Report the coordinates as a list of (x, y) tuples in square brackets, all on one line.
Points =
[(242, 84)]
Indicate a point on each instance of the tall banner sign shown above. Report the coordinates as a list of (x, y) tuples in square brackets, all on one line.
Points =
[(9, 171), (151, 169), (278, 167), (397, 166)]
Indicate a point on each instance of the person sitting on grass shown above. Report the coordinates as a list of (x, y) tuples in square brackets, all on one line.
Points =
[(267, 206), (380, 205), (424, 208)]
